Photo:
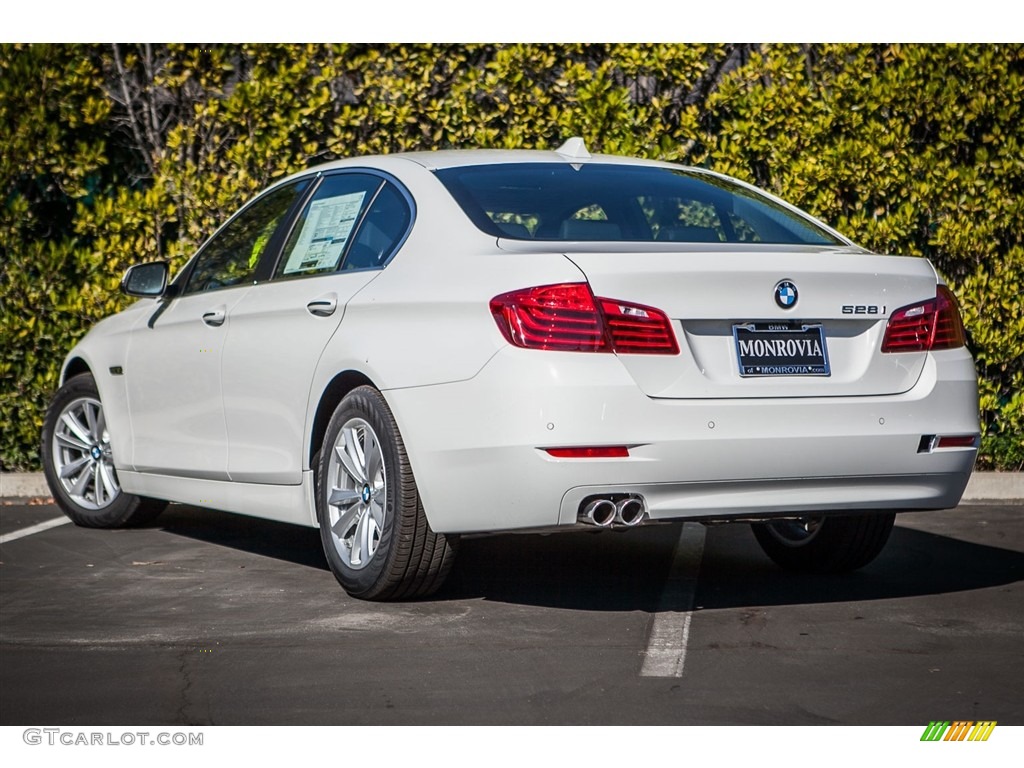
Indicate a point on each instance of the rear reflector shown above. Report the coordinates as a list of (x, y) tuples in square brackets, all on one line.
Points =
[(931, 443), (958, 441), (929, 325), (590, 452), (567, 317)]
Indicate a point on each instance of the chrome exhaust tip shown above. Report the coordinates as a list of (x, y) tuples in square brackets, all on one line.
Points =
[(599, 512), (630, 512)]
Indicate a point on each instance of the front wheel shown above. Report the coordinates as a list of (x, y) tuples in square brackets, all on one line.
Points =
[(825, 543), (78, 463), (372, 525)]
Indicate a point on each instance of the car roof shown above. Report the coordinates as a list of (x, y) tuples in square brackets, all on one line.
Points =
[(453, 158), (573, 151)]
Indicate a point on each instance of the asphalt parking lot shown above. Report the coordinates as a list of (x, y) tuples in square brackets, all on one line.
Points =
[(210, 618)]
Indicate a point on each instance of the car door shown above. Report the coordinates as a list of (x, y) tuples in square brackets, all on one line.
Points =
[(173, 363), (346, 232)]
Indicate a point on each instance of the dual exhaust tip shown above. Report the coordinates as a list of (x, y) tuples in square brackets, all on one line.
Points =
[(608, 513)]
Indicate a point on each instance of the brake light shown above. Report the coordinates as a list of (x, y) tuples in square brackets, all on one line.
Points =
[(551, 317), (929, 325), (568, 317)]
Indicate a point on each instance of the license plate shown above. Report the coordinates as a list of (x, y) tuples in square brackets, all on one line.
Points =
[(780, 349)]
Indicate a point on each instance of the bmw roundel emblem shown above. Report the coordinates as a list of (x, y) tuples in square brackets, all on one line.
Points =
[(785, 294)]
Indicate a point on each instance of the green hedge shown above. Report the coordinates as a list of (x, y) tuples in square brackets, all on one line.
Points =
[(117, 154)]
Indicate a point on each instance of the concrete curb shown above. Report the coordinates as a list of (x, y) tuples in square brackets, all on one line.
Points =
[(983, 486), (995, 486), (23, 485)]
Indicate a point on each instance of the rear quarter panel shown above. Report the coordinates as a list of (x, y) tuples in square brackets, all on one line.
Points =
[(425, 320)]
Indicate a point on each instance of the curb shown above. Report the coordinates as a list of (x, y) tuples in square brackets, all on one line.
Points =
[(995, 486), (23, 485), (983, 486)]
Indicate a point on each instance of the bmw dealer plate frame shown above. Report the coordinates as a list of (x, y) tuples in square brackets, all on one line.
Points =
[(781, 349)]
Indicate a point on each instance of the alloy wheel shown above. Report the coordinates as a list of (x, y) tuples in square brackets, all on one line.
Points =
[(82, 457), (356, 493)]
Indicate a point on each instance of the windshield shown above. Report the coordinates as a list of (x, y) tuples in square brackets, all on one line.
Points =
[(564, 202)]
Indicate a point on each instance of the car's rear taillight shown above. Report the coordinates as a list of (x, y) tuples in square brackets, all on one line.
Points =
[(637, 329), (568, 317), (551, 317), (929, 325)]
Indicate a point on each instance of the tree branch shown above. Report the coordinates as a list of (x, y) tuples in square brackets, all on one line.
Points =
[(133, 121)]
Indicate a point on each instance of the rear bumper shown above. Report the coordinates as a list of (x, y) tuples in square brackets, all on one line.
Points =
[(476, 446), (753, 499)]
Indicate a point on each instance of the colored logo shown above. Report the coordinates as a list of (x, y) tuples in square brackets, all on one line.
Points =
[(785, 294), (960, 730)]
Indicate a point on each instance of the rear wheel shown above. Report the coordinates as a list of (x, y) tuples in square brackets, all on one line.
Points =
[(825, 544), (373, 528), (78, 463)]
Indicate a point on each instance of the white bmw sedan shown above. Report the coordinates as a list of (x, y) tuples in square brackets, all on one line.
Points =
[(402, 349)]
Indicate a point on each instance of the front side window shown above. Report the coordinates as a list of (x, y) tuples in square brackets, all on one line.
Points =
[(231, 257), (618, 202)]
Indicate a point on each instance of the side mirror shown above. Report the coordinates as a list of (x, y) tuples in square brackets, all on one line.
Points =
[(146, 280)]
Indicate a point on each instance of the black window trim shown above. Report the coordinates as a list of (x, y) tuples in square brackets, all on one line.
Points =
[(268, 261), (271, 256), (385, 178)]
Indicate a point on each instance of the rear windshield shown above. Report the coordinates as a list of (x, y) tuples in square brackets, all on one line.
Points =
[(563, 202)]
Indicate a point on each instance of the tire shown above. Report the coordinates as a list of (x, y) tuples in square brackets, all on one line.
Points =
[(372, 524), (78, 464), (825, 544)]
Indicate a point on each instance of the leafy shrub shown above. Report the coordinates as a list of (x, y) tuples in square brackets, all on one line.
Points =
[(118, 154)]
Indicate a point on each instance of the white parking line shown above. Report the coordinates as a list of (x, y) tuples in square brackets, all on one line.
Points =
[(666, 647), (23, 532)]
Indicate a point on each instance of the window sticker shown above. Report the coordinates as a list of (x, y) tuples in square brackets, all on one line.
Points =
[(325, 233)]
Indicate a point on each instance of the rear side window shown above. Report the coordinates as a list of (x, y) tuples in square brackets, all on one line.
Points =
[(382, 230), (324, 231), (566, 202)]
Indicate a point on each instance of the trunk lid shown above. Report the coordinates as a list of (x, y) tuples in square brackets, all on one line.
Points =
[(707, 292)]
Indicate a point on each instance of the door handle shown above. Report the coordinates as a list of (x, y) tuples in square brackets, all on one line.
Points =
[(215, 317), (323, 306)]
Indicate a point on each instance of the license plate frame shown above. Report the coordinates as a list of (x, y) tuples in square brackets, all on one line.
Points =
[(769, 350)]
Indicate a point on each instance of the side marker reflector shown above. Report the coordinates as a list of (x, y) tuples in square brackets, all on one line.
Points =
[(590, 452)]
